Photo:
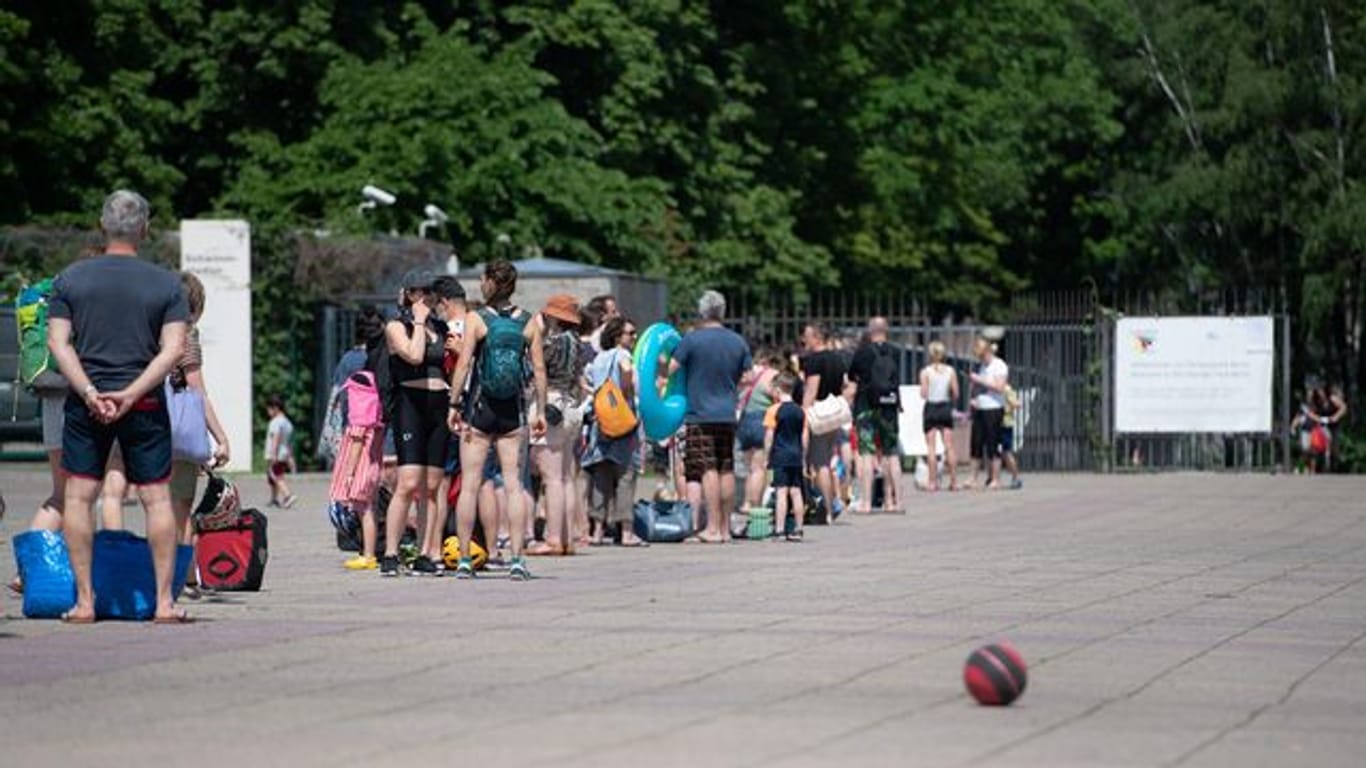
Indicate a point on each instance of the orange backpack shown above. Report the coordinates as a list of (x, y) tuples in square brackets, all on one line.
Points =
[(612, 410)]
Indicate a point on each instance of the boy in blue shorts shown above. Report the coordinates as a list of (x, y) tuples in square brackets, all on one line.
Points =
[(786, 439)]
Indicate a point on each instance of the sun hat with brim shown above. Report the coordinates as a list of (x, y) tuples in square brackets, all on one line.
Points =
[(417, 278), (562, 307)]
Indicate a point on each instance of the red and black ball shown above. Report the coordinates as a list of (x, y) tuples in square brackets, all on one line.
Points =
[(995, 675)]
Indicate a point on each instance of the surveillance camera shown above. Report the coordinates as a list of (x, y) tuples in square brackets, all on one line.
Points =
[(434, 214), (376, 195)]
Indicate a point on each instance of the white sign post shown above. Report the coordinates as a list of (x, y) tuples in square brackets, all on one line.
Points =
[(219, 253), (1194, 374)]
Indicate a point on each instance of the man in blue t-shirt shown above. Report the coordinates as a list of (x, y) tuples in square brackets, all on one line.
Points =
[(714, 360), (116, 328)]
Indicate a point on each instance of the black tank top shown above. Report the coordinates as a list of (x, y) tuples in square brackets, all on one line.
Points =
[(433, 354)]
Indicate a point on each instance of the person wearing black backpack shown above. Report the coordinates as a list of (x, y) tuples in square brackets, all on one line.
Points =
[(876, 369)]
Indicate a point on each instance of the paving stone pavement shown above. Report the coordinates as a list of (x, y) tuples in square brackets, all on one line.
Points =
[(1169, 620)]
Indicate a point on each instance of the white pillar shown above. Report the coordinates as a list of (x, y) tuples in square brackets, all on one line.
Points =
[(219, 253)]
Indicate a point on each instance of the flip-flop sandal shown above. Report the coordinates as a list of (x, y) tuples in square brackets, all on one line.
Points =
[(542, 549), (635, 544), (67, 618), (177, 618)]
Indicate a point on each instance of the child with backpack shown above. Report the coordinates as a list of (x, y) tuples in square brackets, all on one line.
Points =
[(279, 453), (355, 476), (786, 440)]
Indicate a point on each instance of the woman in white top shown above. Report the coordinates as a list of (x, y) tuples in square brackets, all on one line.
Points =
[(939, 389)]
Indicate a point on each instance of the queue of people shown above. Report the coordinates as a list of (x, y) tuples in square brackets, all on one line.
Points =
[(521, 423), (493, 413), (481, 409)]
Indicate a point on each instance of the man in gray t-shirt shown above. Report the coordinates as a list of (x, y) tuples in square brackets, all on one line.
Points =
[(715, 361), (116, 327)]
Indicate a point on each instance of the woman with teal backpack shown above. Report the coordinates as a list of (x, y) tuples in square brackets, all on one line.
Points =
[(499, 338)]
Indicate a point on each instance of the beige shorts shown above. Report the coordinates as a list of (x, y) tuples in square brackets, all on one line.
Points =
[(184, 481), (54, 420)]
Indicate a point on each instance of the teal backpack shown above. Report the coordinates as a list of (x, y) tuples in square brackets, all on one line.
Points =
[(502, 362)]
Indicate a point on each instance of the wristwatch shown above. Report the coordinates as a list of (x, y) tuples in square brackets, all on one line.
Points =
[(89, 390)]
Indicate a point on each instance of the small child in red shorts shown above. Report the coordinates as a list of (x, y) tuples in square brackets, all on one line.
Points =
[(279, 455)]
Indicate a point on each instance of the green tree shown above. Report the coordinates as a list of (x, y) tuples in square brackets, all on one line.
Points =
[(1242, 163)]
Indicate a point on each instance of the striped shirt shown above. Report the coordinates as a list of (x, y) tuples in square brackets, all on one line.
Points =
[(191, 360)]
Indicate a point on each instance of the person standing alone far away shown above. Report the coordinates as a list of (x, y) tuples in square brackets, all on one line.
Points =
[(714, 359), (116, 329), (877, 406), (988, 412)]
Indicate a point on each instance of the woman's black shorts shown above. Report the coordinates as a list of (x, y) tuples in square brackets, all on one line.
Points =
[(938, 416), (496, 417), (420, 431)]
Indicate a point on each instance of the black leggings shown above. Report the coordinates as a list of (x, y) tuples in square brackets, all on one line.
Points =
[(420, 431)]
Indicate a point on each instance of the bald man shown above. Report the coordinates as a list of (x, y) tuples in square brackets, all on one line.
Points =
[(876, 369)]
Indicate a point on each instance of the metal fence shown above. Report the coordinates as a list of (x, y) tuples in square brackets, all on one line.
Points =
[(1060, 349), (1200, 451)]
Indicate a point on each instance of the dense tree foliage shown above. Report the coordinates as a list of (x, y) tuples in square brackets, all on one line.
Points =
[(960, 151)]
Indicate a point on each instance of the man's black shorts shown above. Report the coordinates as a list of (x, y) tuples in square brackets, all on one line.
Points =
[(986, 433), (143, 435), (788, 477)]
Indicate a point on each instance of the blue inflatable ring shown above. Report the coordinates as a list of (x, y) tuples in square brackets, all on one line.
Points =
[(662, 416)]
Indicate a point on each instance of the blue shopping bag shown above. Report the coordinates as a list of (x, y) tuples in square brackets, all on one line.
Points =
[(122, 575), (45, 568)]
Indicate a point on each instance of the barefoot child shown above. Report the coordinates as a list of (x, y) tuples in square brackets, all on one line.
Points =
[(279, 457), (785, 441)]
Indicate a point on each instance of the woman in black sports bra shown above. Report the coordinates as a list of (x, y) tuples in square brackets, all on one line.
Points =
[(417, 348)]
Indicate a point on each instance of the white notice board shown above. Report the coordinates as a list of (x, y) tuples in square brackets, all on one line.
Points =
[(910, 423), (1194, 374), (219, 254)]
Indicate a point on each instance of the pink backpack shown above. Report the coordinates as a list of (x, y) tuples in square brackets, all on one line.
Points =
[(362, 401)]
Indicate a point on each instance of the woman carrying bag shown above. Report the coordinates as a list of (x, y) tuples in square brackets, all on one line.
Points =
[(193, 419), (612, 453)]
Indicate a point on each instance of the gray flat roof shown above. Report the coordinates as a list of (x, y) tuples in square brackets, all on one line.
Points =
[(544, 267)]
